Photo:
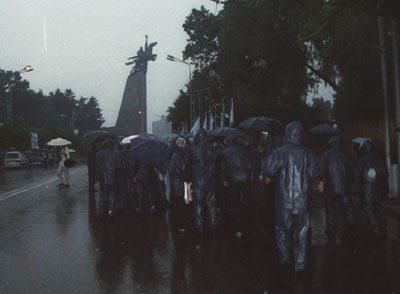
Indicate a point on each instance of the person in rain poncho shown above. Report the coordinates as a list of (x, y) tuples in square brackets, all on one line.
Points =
[(336, 173), (145, 182), (371, 175), (268, 148), (201, 161), (176, 169), (295, 167), (235, 169), (91, 164), (106, 168), (121, 179)]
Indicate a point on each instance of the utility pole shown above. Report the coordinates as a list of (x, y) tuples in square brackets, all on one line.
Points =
[(385, 91), (396, 82)]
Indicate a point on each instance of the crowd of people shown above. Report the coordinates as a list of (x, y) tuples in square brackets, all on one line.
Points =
[(221, 179)]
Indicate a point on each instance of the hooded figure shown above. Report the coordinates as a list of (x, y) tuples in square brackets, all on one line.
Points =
[(177, 177), (201, 161), (295, 166), (336, 172), (121, 179), (91, 164), (235, 169), (372, 178), (268, 148), (106, 170)]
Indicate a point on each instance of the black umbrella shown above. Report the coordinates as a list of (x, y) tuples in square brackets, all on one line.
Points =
[(150, 150), (260, 124), (102, 137), (93, 134), (324, 129), (226, 131)]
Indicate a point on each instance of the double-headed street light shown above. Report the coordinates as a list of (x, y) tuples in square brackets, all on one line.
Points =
[(27, 68), (172, 58)]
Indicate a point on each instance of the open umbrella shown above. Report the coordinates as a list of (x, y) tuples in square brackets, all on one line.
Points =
[(226, 131), (127, 140), (149, 137), (325, 129), (360, 140), (169, 139), (150, 151), (261, 123), (93, 134), (102, 137), (58, 142)]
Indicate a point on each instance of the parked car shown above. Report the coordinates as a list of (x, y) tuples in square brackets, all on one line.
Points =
[(15, 159), (36, 160)]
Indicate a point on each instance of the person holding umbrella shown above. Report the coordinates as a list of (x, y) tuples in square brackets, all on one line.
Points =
[(91, 164), (336, 174), (63, 171), (235, 170), (372, 179), (106, 168)]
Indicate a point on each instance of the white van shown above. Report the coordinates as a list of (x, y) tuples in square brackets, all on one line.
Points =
[(15, 159)]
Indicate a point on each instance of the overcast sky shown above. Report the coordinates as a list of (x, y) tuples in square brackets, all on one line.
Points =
[(83, 45)]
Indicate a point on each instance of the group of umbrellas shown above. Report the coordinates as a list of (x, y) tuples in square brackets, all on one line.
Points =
[(153, 150)]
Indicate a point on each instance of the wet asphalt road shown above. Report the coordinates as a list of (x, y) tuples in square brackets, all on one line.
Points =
[(52, 242)]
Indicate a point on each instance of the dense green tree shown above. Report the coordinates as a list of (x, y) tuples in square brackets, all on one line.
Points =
[(53, 115), (271, 53)]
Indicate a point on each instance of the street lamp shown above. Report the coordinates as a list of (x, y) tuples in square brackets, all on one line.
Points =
[(27, 68), (172, 58)]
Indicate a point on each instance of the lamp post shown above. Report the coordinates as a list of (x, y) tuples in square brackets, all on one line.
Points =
[(172, 58), (27, 68)]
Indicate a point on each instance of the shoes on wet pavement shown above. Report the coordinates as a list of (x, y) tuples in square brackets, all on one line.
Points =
[(67, 185), (60, 185)]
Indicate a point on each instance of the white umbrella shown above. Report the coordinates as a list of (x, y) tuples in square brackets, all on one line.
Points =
[(360, 140), (127, 140), (58, 142)]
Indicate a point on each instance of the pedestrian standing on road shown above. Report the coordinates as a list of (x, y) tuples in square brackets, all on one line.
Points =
[(267, 146), (106, 169), (255, 160), (295, 167), (145, 187), (91, 164), (178, 176), (235, 169), (121, 181), (336, 176), (202, 165), (371, 175), (62, 171)]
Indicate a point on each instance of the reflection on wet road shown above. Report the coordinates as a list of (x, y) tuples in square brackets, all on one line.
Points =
[(52, 242)]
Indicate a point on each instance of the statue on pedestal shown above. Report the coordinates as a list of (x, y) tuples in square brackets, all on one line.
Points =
[(142, 58)]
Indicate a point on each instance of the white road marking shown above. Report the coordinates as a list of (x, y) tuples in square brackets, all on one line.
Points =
[(16, 192)]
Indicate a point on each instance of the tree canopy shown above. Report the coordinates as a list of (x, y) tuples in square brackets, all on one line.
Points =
[(57, 114), (271, 54)]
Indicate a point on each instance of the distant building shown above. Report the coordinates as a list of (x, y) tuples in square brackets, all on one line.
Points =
[(161, 127)]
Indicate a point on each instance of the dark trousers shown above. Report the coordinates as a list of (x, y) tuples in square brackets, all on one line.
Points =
[(292, 233), (91, 179), (178, 207), (106, 200), (372, 212), (331, 200), (204, 205), (240, 204)]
